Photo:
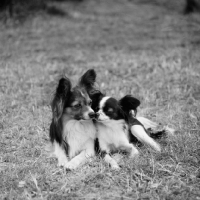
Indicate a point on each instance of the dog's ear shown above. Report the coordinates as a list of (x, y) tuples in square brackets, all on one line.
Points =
[(58, 104), (88, 79), (129, 103), (61, 96), (96, 96)]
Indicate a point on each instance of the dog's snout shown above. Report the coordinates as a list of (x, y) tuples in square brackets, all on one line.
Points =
[(92, 115), (97, 115)]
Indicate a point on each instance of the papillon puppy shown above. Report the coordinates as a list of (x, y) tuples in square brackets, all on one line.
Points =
[(118, 126), (72, 131)]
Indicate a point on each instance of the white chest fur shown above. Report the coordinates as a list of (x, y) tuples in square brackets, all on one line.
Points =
[(77, 133), (113, 133)]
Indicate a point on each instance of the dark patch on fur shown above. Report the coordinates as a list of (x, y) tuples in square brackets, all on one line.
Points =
[(129, 103), (103, 154), (98, 150), (66, 147), (157, 134), (133, 139), (133, 121), (58, 105), (96, 97), (116, 113)]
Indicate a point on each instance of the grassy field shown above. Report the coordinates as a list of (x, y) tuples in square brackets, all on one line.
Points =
[(149, 50)]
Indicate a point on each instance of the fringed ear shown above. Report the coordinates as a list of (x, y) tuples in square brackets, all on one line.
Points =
[(58, 104), (129, 103), (88, 79), (60, 98)]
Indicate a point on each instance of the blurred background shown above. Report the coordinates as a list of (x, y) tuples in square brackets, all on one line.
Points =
[(19, 8), (23, 8)]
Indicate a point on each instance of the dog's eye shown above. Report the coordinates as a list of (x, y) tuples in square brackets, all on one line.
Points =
[(110, 110), (77, 106)]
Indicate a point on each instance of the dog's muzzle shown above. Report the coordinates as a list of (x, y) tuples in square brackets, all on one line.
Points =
[(92, 115), (97, 115)]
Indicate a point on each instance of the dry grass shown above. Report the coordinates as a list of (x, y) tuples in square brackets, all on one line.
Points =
[(142, 49)]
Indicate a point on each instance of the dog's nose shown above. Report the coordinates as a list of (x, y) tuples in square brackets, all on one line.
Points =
[(92, 115), (97, 115)]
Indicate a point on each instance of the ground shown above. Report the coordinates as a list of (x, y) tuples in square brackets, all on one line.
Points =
[(149, 50)]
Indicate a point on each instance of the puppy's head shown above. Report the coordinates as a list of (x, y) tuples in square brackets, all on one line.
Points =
[(74, 101), (111, 109)]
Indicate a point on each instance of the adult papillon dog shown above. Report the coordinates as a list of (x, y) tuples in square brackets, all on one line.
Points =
[(72, 131)]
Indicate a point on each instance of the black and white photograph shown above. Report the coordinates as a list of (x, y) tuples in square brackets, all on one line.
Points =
[(100, 99)]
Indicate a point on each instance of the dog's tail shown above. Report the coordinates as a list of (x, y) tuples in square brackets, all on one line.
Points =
[(155, 130)]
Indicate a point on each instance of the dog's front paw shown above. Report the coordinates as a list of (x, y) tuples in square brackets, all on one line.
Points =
[(62, 163), (134, 153), (157, 147), (115, 167), (70, 166)]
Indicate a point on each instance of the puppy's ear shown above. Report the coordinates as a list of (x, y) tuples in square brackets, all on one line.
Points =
[(129, 103), (61, 96), (88, 79), (58, 104), (96, 97)]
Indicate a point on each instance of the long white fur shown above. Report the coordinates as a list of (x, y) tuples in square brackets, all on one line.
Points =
[(103, 100), (139, 132), (112, 136), (80, 135)]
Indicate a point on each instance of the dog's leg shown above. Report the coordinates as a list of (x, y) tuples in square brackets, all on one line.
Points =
[(76, 161), (105, 152), (129, 148), (81, 158), (60, 154), (139, 132), (111, 161)]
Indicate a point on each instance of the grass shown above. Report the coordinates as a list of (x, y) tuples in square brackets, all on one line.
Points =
[(146, 49)]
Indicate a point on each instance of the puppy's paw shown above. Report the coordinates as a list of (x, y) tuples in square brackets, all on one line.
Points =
[(157, 147), (62, 163), (70, 166), (134, 153), (115, 167)]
